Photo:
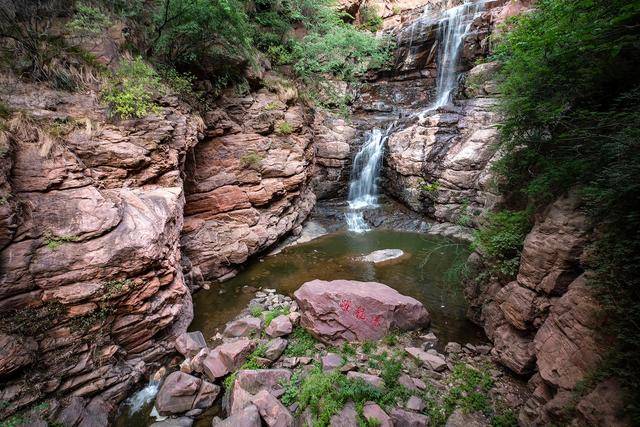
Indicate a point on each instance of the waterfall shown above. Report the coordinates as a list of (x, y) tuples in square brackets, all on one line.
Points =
[(143, 397), (453, 28), (364, 176)]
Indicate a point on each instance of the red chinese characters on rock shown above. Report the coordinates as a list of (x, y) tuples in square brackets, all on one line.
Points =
[(360, 313)]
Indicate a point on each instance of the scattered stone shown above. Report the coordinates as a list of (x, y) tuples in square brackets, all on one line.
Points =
[(461, 419), (243, 327), (331, 361), (430, 361), (349, 366), (275, 348), (453, 347), (185, 366), (347, 417), (483, 349), (372, 411), (415, 404), (346, 310), (279, 326), (174, 422), (226, 357), (248, 416), (182, 392), (374, 380), (470, 347), (290, 362), (304, 360), (294, 317), (404, 418), (419, 383), (190, 343), (430, 340), (249, 383), (406, 381), (383, 255), (272, 411), (260, 294)]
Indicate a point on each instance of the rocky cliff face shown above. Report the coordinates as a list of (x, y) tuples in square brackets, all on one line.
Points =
[(437, 162), (91, 285), (249, 180), (546, 324)]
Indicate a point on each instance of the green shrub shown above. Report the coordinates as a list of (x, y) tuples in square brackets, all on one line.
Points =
[(501, 239), (88, 20), (301, 343), (54, 242), (272, 314), (430, 187), (369, 18), (571, 107), (131, 91), (251, 160), (284, 128)]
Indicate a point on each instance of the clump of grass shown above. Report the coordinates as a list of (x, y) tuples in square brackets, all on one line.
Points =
[(368, 347), (272, 314), (348, 349), (54, 242), (256, 311), (251, 160), (284, 128), (301, 343), (250, 363), (115, 288)]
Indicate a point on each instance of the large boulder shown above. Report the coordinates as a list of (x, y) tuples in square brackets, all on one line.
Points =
[(182, 392), (225, 358), (190, 343), (347, 310), (250, 383)]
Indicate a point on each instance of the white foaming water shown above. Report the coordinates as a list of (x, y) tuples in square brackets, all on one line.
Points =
[(363, 191), (453, 28), (142, 397)]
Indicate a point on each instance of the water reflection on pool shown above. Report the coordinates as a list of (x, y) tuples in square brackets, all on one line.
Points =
[(425, 274)]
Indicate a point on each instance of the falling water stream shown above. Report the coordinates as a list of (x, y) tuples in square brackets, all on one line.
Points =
[(453, 28)]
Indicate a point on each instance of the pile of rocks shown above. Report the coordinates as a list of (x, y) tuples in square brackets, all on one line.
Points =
[(252, 361)]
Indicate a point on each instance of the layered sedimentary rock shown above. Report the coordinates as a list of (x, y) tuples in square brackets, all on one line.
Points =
[(248, 181), (91, 285), (437, 161), (548, 322)]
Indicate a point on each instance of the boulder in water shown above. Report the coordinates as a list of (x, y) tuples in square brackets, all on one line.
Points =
[(383, 255), (347, 310)]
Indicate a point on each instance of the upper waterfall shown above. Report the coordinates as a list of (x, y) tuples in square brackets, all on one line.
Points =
[(453, 28)]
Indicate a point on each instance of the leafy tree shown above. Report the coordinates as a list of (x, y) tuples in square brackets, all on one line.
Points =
[(571, 103)]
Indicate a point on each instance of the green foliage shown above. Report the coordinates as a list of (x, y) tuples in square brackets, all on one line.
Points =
[(368, 347), (54, 242), (506, 419), (571, 107), (301, 343), (251, 160), (5, 111), (369, 18), (256, 311), (272, 314), (88, 21), (430, 187), (347, 349), (500, 239), (115, 288), (250, 364), (32, 321), (284, 128), (188, 32), (131, 91), (86, 322)]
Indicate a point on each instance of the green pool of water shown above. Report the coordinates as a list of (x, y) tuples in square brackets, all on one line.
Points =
[(425, 274)]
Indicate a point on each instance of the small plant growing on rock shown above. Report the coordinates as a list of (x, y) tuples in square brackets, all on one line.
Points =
[(130, 92), (430, 187), (301, 343), (256, 311), (251, 160), (284, 128), (270, 315), (88, 21), (271, 106), (54, 242), (116, 288)]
